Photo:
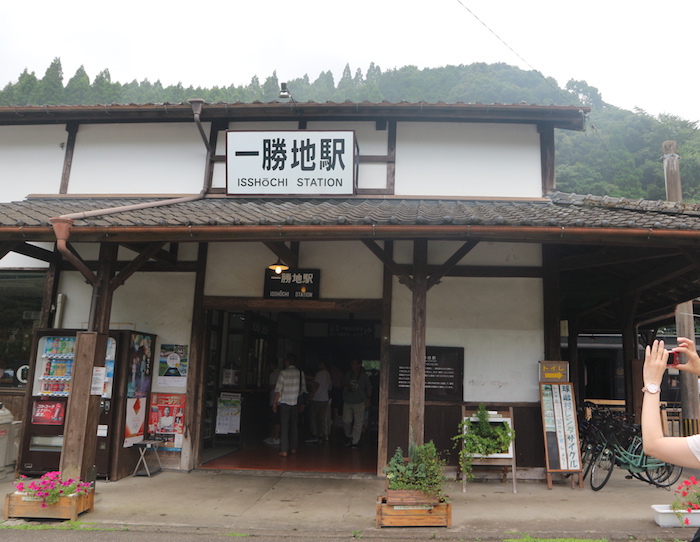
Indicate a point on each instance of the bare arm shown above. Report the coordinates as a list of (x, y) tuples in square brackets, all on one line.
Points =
[(670, 449)]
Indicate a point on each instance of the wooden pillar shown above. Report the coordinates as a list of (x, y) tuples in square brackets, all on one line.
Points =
[(83, 409), (191, 449), (80, 431), (416, 412), (575, 372), (630, 349), (685, 325), (549, 183), (550, 304), (384, 363), (50, 290)]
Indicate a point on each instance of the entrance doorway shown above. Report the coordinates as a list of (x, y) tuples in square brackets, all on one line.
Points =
[(243, 350)]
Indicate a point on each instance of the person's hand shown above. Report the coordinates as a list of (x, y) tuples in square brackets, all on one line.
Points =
[(687, 347), (274, 408), (655, 363)]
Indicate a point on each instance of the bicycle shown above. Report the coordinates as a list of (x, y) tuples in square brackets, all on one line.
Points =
[(618, 442)]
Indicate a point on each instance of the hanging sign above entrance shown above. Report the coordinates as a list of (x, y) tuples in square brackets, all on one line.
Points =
[(290, 163), (296, 284)]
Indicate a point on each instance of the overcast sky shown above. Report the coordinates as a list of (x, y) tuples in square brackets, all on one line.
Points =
[(638, 54)]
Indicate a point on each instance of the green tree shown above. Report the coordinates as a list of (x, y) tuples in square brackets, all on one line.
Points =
[(104, 91), (49, 91), (23, 90), (271, 88), (78, 90)]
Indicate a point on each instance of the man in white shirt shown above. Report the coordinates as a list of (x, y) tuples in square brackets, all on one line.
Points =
[(319, 404), (290, 385)]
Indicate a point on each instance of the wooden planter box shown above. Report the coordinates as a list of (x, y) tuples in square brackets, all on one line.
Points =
[(405, 508), (18, 505)]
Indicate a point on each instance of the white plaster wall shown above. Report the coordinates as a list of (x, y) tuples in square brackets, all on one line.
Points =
[(166, 158), (31, 160), (159, 303), (497, 321), (236, 269), (485, 253), (464, 159), (348, 269)]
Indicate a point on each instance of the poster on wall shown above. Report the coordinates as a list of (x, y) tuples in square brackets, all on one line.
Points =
[(140, 365), (135, 421), (166, 421), (172, 367), (48, 412), (228, 413)]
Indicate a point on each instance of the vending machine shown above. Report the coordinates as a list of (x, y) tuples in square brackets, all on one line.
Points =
[(127, 383)]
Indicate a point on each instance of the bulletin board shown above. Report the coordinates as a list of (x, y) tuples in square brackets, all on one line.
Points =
[(560, 428)]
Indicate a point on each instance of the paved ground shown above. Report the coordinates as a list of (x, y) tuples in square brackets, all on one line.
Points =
[(285, 506)]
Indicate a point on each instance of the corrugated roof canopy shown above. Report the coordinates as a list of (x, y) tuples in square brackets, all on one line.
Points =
[(607, 249), (566, 117)]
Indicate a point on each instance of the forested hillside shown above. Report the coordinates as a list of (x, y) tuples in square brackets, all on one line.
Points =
[(618, 155)]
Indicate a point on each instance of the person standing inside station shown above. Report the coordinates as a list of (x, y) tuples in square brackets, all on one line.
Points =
[(357, 392), (319, 397), (290, 385)]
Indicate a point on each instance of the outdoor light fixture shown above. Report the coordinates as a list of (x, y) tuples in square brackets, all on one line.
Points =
[(284, 91), (278, 266), (285, 94)]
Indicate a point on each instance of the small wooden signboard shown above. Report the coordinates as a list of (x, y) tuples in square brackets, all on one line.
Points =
[(560, 427)]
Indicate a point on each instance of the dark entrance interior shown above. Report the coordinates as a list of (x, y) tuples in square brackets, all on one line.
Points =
[(243, 348)]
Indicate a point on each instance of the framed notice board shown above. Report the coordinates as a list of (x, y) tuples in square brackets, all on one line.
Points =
[(560, 428)]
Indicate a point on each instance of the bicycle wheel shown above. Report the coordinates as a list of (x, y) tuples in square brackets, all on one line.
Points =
[(665, 475), (588, 452), (602, 468)]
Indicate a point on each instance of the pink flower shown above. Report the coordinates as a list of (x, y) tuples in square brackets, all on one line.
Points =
[(687, 521)]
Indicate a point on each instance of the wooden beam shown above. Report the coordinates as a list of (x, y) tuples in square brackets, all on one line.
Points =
[(609, 256), (148, 267), (136, 264), (481, 271), (194, 414), (162, 255), (549, 183), (388, 261), (416, 410), (550, 302), (284, 253), (239, 304), (80, 430), (36, 252), (47, 317), (627, 308), (384, 365), (72, 129), (83, 409), (460, 253), (8, 246)]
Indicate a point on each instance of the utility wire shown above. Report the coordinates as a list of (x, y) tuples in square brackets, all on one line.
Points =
[(567, 98)]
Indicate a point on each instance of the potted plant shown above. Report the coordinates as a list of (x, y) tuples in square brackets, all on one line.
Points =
[(415, 490), (481, 435), (684, 511), (49, 497)]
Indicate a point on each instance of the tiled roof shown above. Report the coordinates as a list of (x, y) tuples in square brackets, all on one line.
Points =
[(559, 210)]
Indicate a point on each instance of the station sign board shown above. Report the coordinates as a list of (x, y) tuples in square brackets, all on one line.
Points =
[(298, 163)]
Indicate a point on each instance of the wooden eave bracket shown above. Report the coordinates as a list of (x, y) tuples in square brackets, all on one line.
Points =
[(162, 255), (288, 255), (135, 264), (434, 278)]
